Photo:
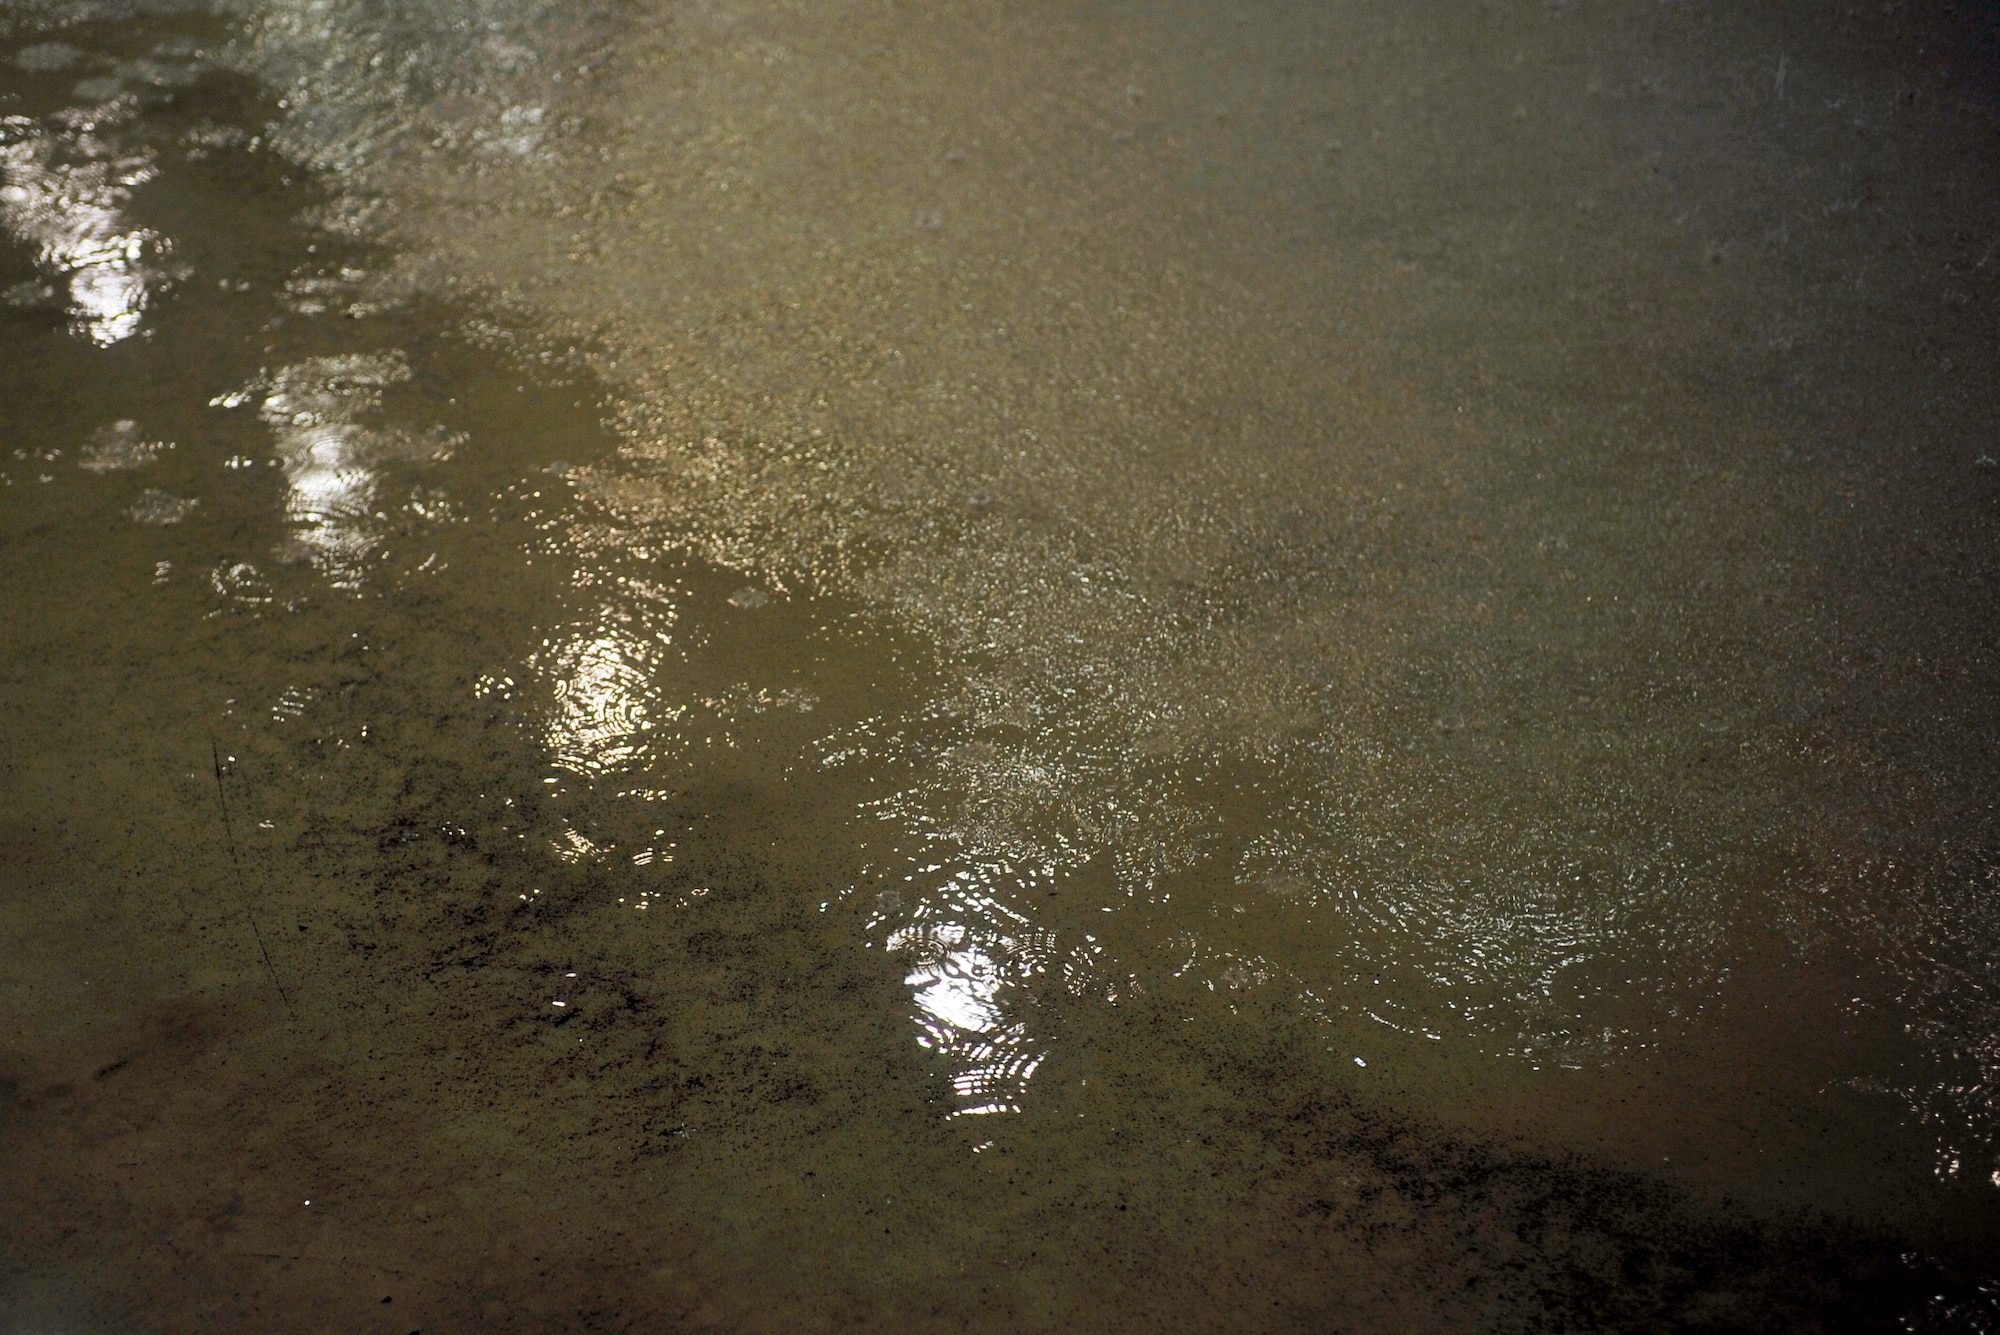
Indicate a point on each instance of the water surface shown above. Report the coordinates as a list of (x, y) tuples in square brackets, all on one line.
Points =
[(1125, 667)]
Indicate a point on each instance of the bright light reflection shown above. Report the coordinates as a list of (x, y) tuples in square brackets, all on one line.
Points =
[(601, 681), (332, 462), (331, 494), (970, 950), (72, 212)]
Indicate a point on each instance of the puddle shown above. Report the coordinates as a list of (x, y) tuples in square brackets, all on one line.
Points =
[(604, 729)]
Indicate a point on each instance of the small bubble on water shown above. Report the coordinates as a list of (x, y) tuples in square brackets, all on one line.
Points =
[(158, 507)]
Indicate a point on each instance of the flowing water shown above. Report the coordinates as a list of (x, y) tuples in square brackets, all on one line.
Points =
[(1212, 666)]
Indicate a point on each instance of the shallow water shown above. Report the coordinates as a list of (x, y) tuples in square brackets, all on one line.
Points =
[(1198, 667)]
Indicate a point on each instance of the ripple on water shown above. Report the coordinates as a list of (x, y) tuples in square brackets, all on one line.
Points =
[(65, 189), (333, 452)]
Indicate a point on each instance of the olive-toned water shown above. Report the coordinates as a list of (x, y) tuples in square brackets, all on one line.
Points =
[(750, 668)]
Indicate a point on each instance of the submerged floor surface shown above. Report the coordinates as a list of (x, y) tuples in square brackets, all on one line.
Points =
[(1175, 667)]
